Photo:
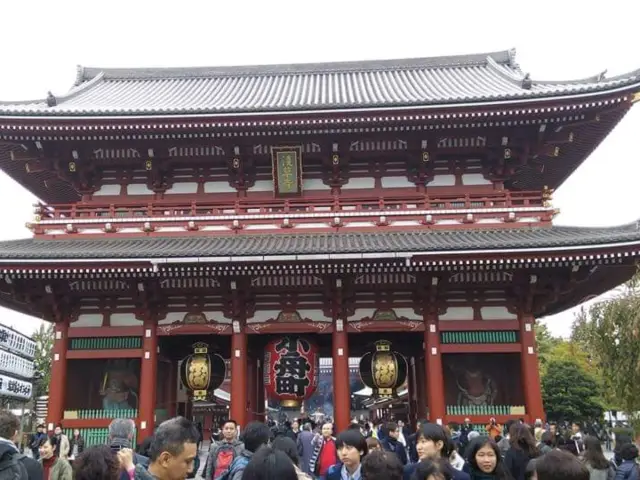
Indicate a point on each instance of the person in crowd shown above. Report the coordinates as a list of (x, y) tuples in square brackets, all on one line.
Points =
[(201, 433), (560, 465), (577, 437), (62, 445), (24, 468), (621, 441), (53, 466), (325, 453), (503, 443), (143, 448), (100, 463), (433, 443), (352, 447), (628, 468), (121, 433), (269, 464), (463, 439), (593, 457), (485, 461), (558, 439), (373, 444), (305, 447), (546, 443), (255, 435), (76, 444), (224, 452), (429, 470), (381, 465), (493, 428), (390, 433), (522, 449), (290, 449), (37, 440), (455, 459), (172, 452)]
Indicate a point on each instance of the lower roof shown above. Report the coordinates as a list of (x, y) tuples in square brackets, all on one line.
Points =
[(242, 246)]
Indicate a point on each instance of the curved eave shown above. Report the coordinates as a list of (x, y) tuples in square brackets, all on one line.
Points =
[(573, 92)]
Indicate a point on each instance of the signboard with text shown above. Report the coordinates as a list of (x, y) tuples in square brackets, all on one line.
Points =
[(287, 170)]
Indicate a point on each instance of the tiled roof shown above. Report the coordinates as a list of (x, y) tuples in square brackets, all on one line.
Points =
[(302, 87), (244, 245)]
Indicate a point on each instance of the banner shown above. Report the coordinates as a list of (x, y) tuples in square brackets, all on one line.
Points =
[(287, 170)]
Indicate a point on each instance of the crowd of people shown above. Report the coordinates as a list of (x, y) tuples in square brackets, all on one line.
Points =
[(291, 451)]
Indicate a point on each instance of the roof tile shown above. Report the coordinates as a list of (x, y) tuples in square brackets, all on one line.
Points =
[(340, 85)]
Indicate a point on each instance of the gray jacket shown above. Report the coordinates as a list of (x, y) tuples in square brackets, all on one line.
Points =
[(210, 467)]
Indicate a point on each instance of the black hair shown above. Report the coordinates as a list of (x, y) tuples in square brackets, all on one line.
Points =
[(229, 420), (269, 464), (255, 435), (53, 441), (546, 438), (380, 465), (436, 433), (426, 469), (629, 452), (145, 446), (171, 436), (499, 472), (593, 454), (96, 463), (352, 438), (387, 428), (560, 465), (288, 446), (9, 424)]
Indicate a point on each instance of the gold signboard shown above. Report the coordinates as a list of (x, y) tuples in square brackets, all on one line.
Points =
[(287, 170)]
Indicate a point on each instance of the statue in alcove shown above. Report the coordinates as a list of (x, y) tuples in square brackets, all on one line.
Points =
[(119, 388)]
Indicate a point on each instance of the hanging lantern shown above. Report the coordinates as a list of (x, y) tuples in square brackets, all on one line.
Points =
[(383, 370), (291, 370), (201, 373)]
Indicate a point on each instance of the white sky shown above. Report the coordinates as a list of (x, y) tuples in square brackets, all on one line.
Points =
[(43, 41)]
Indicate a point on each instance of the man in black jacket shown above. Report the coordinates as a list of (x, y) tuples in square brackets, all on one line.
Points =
[(25, 468)]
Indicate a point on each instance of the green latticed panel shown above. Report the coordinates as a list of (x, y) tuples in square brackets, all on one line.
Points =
[(85, 414), (497, 336), (485, 410), (105, 343), (94, 436)]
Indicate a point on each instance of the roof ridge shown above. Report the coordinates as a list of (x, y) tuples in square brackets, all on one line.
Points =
[(506, 57)]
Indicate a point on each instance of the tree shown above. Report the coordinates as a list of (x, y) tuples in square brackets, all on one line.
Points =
[(610, 331), (545, 343), (570, 393), (42, 361)]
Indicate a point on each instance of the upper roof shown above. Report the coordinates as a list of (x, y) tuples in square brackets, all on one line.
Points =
[(265, 245), (487, 77)]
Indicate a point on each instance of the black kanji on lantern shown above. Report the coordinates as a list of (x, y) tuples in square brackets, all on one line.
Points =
[(292, 367), (4, 335)]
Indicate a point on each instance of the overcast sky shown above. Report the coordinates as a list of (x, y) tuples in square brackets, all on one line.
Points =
[(43, 41)]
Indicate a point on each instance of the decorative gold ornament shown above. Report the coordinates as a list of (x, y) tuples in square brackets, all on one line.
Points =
[(507, 153), (335, 159), (236, 162), (547, 196), (72, 166), (425, 157), (148, 165)]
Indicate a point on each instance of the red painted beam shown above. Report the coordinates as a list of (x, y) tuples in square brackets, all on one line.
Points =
[(471, 325), (86, 422), (98, 354), (480, 348), (91, 332)]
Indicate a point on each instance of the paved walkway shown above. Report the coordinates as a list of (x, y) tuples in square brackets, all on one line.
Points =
[(203, 453)]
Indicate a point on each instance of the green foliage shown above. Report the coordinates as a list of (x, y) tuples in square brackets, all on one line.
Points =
[(570, 393), (610, 331), (546, 344), (42, 361)]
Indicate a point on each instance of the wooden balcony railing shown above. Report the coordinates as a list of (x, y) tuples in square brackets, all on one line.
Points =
[(248, 206)]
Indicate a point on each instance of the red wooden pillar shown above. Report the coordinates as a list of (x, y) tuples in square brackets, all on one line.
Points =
[(58, 382), (341, 387), (530, 373), (238, 410), (251, 388), (148, 379), (433, 369)]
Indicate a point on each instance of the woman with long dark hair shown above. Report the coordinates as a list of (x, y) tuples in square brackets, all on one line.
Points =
[(522, 450), (433, 443), (484, 460), (599, 467)]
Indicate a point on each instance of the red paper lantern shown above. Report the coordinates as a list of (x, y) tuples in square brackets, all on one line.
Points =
[(291, 370)]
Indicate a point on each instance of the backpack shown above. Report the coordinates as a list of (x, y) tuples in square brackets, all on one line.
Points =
[(225, 456), (238, 464), (12, 467)]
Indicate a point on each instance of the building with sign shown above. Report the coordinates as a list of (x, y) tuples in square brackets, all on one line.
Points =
[(17, 352), (400, 200)]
